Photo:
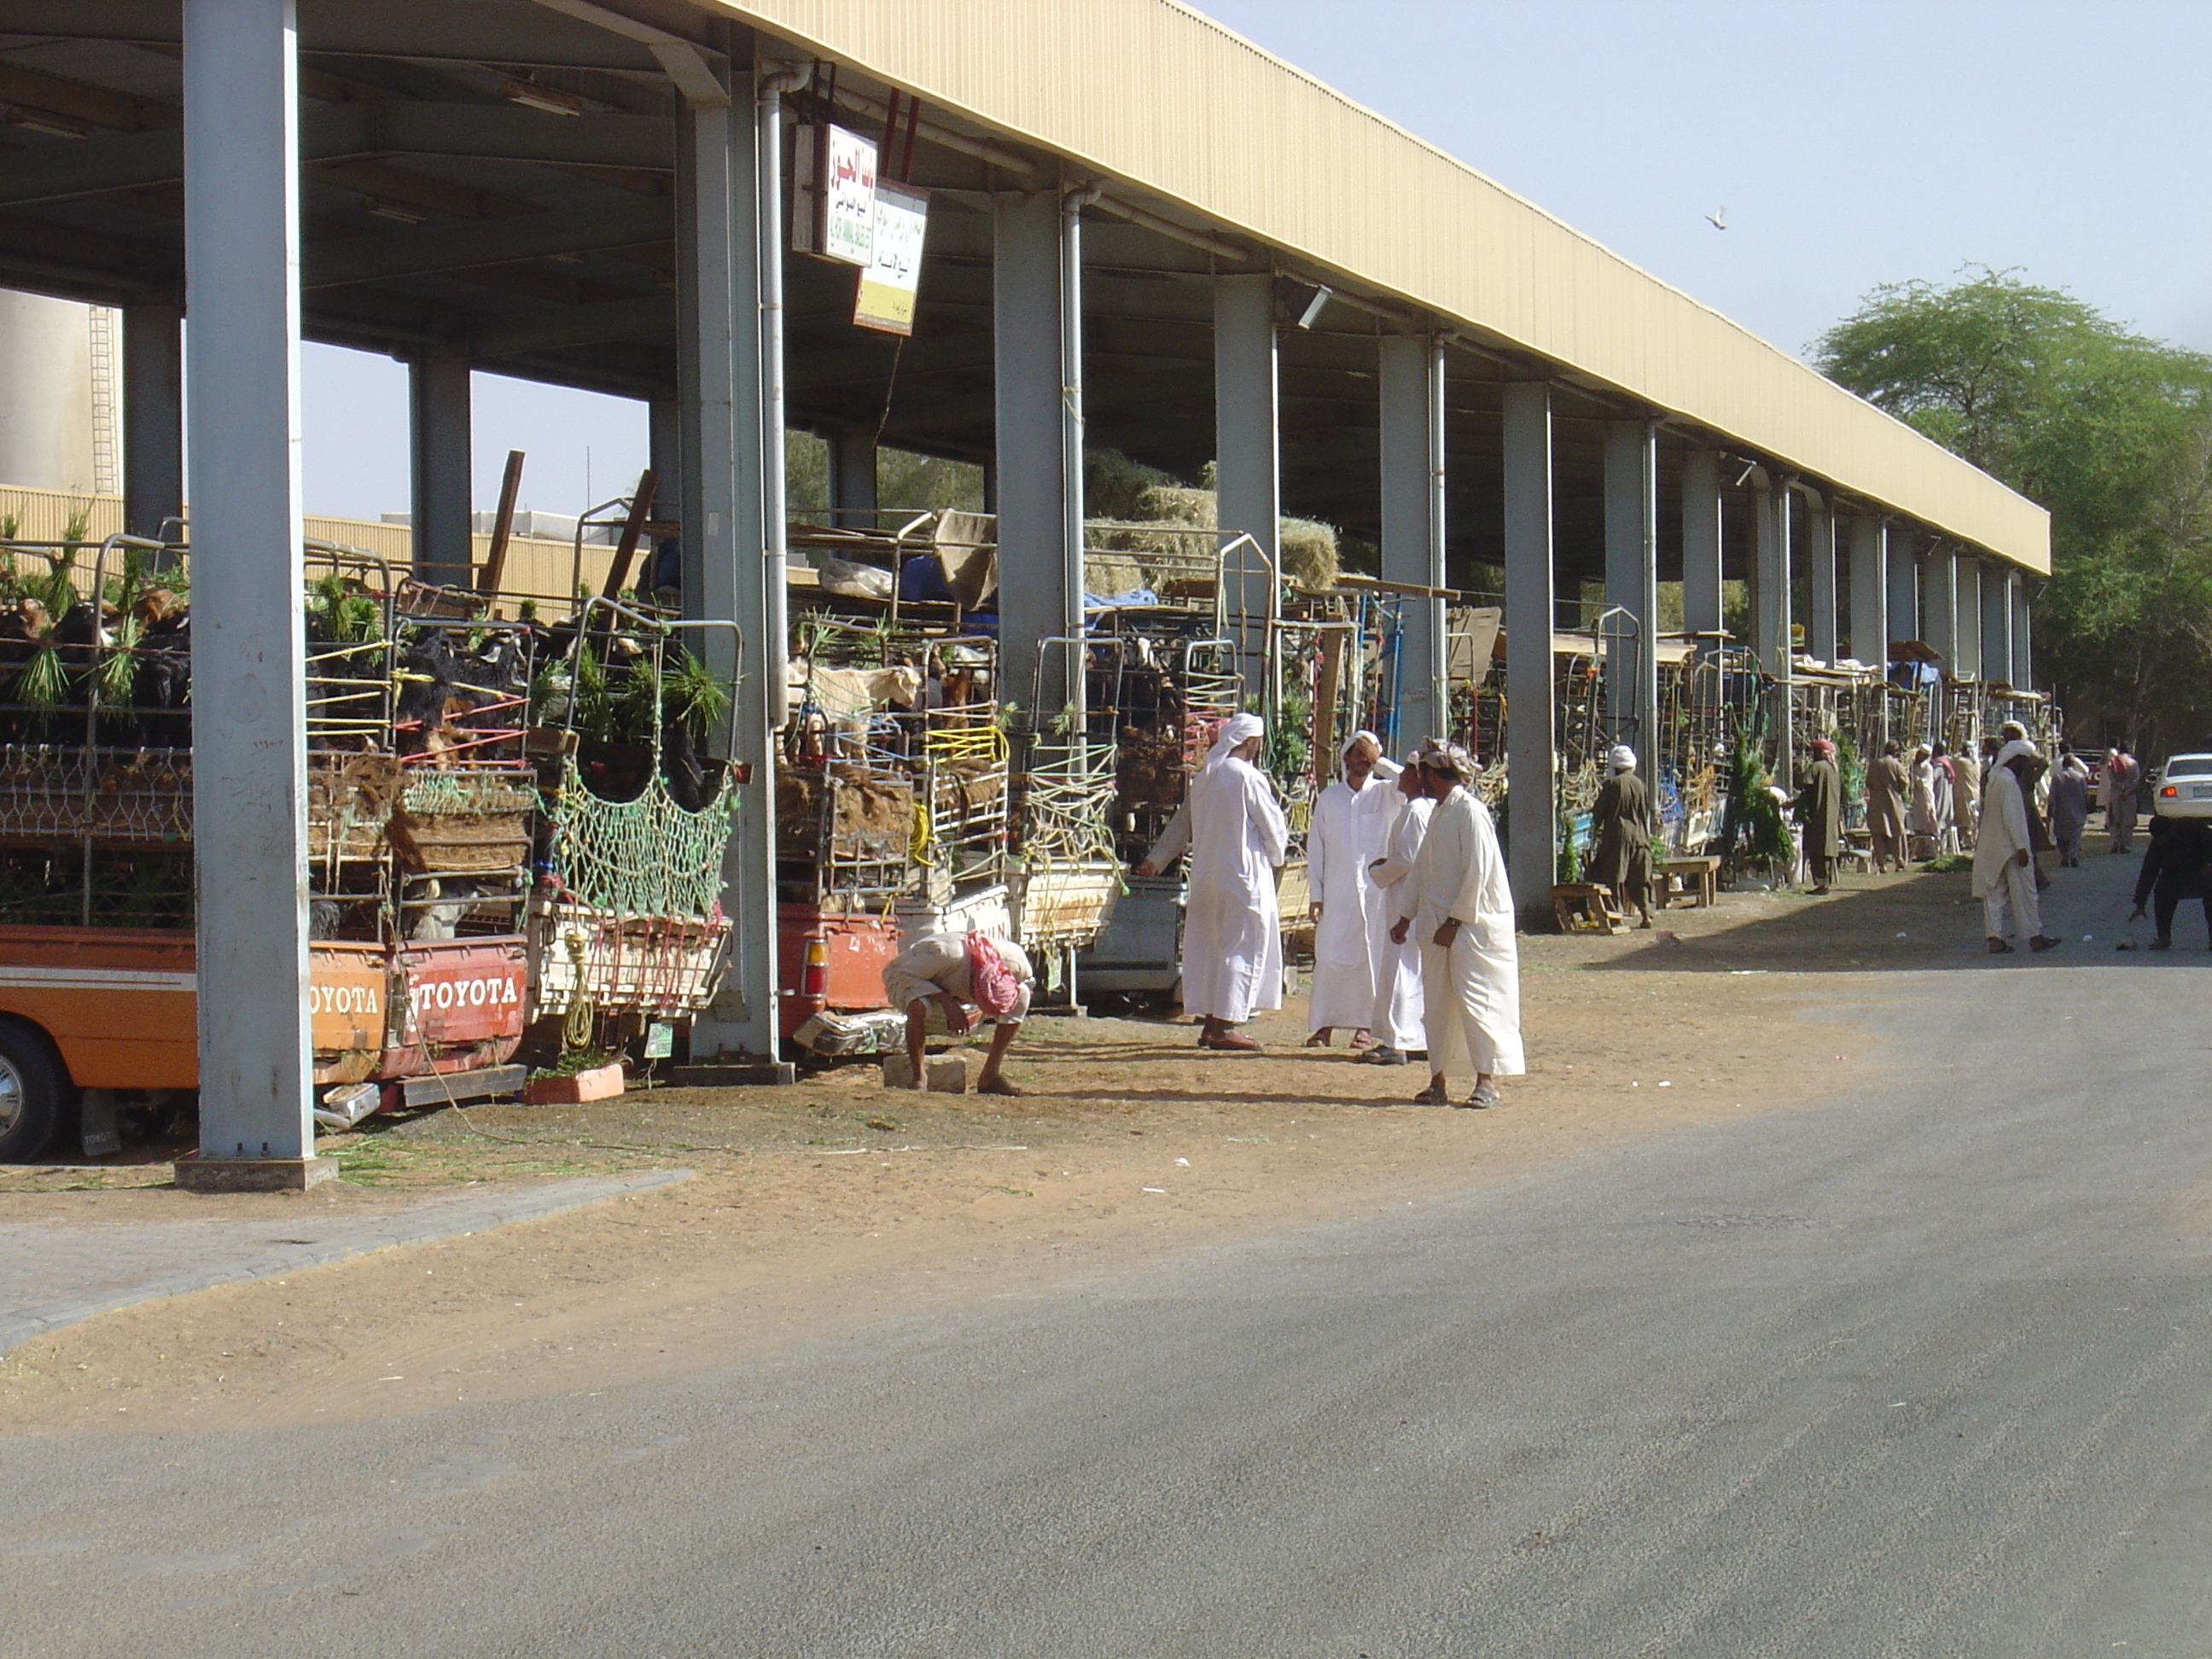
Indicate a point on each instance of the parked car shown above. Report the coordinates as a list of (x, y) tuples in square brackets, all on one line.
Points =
[(2182, 788)]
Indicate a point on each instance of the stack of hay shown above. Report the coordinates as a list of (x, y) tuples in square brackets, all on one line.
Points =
[(1138, 503)]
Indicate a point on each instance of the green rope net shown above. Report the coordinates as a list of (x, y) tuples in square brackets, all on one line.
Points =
[(647, 857)]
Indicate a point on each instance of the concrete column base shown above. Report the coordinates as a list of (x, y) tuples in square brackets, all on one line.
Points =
[(252, 1175)]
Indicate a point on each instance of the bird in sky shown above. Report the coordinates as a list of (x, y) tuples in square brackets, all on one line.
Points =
[(1718, 220)]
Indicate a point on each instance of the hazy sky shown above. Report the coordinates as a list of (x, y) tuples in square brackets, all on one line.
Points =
[(1851, 143)]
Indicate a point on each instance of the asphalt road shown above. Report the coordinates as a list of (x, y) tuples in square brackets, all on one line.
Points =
[(1923, 1372)]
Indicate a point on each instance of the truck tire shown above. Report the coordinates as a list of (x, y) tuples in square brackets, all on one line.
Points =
[(30, 1094)]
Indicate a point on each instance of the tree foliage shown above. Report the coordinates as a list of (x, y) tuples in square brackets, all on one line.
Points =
[(2109, 429)]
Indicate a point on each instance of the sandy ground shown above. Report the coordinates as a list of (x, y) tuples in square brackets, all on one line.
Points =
[(816, 1209)]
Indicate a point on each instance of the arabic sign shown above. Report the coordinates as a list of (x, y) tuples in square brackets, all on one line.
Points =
[(833, 191), (884, 298)]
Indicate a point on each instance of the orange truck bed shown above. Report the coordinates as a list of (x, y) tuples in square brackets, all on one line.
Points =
[(120, 1004)]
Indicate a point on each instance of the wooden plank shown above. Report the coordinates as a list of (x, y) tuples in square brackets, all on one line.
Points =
[(502, 526), (640, 506)]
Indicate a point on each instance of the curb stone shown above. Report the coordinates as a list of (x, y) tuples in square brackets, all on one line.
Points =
[(441, 1222)]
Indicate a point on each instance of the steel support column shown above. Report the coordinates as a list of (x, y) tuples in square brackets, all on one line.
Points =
[(1701, 542), (1631, 581), (664, 440), (249, 698), (720, 399), (153, 418), (1530, 699), (1040, 570), (1966, 645), (2023, 661), (1870, 631), (1247, 449), (441, 504), (1904, 565), (1771, 575), (1771, 612), (1412, 400), (853, 475), (1939, 605), (1823, 630), (1996, 623)]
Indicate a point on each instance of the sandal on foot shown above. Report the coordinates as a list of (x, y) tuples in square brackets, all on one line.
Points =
[(1362, 1039), (1999, 948), (1383, 1054), (1484, 1098), (2044, 942), (1229, 1043), (1432, 1096), (1316, 1040)]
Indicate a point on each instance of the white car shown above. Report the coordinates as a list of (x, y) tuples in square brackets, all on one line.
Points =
[(2183, 789)]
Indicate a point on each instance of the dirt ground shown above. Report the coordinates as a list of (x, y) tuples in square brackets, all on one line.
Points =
[(818, 1208)]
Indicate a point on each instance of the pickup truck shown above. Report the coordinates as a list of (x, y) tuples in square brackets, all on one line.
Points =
[(101, 1017)]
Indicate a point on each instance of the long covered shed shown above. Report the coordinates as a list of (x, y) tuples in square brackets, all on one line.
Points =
[(1144, 233)]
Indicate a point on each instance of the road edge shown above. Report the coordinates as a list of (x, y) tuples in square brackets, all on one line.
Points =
[(450, 1220)]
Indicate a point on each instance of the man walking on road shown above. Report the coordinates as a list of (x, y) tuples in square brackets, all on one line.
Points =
[(1232, 933), (2176, 852), (2116, 794), (2003, 871), (1819, 810), (1965, 797), (1886, 788), (1398, 1003), (1350, 822), (2069, 804), (1621, 819), (1470, 963)]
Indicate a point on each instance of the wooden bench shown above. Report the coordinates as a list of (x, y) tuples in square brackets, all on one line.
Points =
[(1697, 880), (1586, 907)]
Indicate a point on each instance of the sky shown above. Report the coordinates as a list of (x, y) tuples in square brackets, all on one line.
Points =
[(1852, 142)]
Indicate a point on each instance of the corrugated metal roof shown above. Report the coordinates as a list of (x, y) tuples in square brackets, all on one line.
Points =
[(1156, 94)]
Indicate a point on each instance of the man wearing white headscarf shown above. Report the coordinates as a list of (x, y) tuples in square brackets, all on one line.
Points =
[(1623, 824), (1470, 964), (1351, 823), (1396, 1022), (1232, 934), (2004, 868)]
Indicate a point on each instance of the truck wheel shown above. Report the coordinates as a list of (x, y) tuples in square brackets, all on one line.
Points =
[(30, 1095)]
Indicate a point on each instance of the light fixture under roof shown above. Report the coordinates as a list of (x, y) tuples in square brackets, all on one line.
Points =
[(49, 122), (532, 95), (384, 208)]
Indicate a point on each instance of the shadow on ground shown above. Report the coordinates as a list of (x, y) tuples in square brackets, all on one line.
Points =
[(1918, 921)]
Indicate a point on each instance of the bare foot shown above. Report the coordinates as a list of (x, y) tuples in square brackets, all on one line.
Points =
[(998, 1085)]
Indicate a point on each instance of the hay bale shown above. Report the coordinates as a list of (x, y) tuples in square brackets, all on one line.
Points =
[(1309, 553), (1147, 503), (855, 813)]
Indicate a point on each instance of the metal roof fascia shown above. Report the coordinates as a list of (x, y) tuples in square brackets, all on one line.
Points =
[(1262, 149)]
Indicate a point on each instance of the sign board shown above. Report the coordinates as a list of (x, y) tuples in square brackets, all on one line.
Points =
[(833, 194), (883, 298)]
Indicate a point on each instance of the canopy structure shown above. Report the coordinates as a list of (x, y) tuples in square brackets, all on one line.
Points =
[(1143, 233)]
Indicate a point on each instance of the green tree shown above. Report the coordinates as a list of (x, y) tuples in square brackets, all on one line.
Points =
[(2110, 430)]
